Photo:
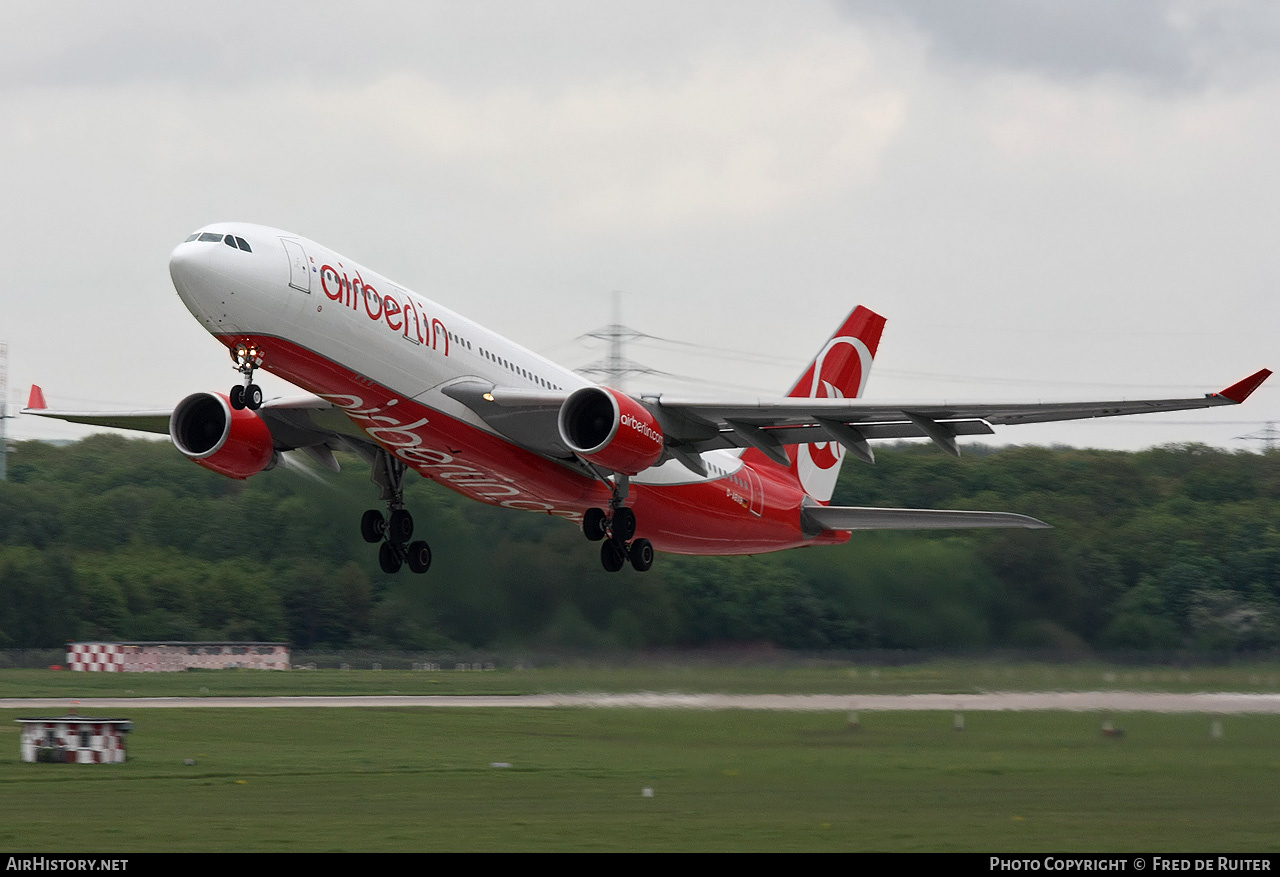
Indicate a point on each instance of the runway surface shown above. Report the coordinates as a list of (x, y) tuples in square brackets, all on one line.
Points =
[(1110, 701)]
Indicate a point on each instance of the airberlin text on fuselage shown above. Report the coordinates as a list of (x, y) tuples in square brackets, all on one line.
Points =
[(401, 440), (382, 307)]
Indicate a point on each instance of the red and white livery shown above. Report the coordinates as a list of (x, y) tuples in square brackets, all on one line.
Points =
[(407, 384)]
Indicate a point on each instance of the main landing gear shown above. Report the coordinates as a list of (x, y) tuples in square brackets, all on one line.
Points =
[(614, 532), (395, 530), (246, 394)]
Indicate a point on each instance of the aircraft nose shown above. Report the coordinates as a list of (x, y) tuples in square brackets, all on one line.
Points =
[(181, 262), (186, 264), (209, 278)]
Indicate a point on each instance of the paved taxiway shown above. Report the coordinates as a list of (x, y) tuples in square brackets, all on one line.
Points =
[(1113, 701)]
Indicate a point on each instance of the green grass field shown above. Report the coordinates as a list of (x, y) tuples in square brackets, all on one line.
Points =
[(946, 677), (405, 779), (421, 779)]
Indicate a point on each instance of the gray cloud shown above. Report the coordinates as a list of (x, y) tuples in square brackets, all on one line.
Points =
[(465, 46), (1162, 43)]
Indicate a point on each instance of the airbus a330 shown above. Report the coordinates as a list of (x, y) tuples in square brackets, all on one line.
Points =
[(408, 385)]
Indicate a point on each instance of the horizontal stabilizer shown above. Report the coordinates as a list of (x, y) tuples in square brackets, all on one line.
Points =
[(859, 518)]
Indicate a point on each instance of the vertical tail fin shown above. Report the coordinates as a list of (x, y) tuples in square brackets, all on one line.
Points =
[(839, 371)]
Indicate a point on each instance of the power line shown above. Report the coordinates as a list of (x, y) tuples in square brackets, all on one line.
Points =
[(615, 368), (4, 409), (1268, 435), (722, 352)]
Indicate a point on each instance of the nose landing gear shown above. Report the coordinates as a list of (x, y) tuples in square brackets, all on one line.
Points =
[(616, 529), (394, 531), (246, 394)]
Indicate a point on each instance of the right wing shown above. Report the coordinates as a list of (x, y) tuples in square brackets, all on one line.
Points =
[(305, 423), (143, 420)]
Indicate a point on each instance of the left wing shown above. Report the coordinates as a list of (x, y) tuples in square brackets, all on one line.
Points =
[(691, 426), (770, 424)]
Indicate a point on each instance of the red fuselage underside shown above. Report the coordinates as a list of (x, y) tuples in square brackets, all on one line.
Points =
[(709, 517)]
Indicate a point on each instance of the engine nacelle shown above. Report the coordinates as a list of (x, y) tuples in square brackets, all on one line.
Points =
[(232, 442), (611, 429)]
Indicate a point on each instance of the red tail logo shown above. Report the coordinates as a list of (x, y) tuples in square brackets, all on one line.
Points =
[(839, 371), (844, 362)]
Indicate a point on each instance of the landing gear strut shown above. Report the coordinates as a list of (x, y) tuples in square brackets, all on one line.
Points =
[(395, 530), (615, 530), (246, 394)]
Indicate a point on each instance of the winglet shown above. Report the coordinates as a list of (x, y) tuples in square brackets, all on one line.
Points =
[(1240, 391), (37, 398)]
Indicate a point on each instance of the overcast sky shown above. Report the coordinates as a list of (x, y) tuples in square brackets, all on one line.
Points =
[(1047, 200)]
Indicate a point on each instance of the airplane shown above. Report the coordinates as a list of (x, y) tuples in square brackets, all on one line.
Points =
[(407, 384)]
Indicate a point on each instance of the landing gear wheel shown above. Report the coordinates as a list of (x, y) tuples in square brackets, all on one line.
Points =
[(624, 524), (372, 526), (641, 553), (612, 555), (401, 526), (419, 556), (247, 357), (389, 558), (595, 524)]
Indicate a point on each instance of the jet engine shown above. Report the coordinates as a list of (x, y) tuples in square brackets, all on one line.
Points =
[(610, 429), (232, 442)]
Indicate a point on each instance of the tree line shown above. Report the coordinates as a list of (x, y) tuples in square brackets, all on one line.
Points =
[(1171, 548)]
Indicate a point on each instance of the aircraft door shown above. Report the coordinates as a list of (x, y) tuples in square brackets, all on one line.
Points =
[(299, 269), (756, 489)]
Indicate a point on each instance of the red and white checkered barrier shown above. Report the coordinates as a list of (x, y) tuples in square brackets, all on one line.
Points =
[(133, 657), (96, 657)]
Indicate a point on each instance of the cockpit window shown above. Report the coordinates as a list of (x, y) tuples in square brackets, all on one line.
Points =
[(235, 242)]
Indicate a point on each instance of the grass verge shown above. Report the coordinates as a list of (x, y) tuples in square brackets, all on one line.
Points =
[(423, 780)]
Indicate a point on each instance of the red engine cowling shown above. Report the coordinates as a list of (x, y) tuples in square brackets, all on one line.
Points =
[(231, 442), (611, 429)]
